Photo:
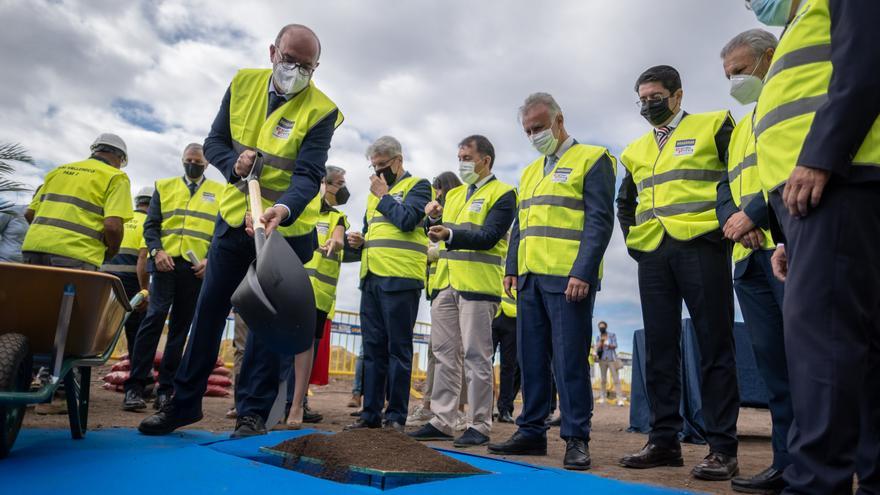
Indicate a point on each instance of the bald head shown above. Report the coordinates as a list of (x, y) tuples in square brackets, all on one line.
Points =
[(297, 43)]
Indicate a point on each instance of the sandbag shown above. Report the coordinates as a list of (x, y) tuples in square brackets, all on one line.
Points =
[(116, 377), (220, 381), (222, 371), (122, 366), (216, 391)]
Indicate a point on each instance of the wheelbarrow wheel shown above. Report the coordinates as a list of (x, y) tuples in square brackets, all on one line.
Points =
[(76, 387), (16, 370)]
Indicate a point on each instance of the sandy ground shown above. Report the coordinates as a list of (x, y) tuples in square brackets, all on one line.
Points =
[(609, 437)]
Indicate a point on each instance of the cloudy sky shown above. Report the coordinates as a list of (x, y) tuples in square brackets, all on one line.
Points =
[(427, 72)]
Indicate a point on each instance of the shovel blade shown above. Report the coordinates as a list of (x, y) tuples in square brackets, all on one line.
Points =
[(276, 300)]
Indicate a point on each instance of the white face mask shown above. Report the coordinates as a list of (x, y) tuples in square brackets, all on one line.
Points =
[(746, 88), (545, 142), (467, 173), (289, 81)]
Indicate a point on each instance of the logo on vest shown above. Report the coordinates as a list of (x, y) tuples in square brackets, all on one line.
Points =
[(684, 147), (323, 228), (561, 174), (208, 196), (282, 130), (477, 205)]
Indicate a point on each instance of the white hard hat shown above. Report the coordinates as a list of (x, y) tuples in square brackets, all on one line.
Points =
[(113, 140), (146, 191)]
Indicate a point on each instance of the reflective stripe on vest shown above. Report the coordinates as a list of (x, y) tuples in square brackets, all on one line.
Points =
[(551, 213), (795, 87), (125, 260), (188, 220), (323, 269), (467, 270), (742, 174), (387, 251), (69, 214), (676, 185), (277, 137)]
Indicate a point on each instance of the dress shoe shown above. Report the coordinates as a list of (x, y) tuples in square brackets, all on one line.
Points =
[(470, 438), (652, 456), (133, 401), (249, 426), (360, 424), (161, 400), (577, 455), (394, 425), (519, 444), (310, 416), (768, 481), (716, 467), (167, 420), (429, 433), (505, 417)]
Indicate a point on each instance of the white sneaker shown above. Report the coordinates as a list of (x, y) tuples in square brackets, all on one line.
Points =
[(460, 423), (620, 402), (419, 416)]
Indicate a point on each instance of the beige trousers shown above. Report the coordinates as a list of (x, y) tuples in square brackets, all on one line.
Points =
[(614, 367), (457, 324), (238, 344)]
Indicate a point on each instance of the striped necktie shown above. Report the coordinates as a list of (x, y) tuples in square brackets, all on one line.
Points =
[(661, 134)]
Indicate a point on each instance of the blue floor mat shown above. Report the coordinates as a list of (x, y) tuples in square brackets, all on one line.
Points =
[(123, 461)]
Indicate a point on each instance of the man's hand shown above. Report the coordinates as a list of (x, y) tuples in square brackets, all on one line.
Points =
[(779, 262), (355, 239), (438, 233), (510, 285), (199, 270), (272, 217), (577, 290), (164, 263), (245, 163), (753, 239), (434, 210), (378, 186), (738, 225), (804, 189), (331, 247), (145, 302)]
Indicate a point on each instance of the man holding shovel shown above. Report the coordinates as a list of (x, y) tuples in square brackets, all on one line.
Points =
[(282, 115)]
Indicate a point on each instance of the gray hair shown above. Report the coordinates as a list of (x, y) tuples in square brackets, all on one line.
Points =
[(332, 172), (194, 147), (386, 146), (756, 39), (540, 99)]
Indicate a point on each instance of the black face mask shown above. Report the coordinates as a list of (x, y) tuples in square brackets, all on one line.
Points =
[(656, 111), (342, 195), (603, 330), (193, 171), (388, 175)]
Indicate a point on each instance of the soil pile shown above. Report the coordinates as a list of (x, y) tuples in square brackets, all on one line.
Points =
[(381, 449)]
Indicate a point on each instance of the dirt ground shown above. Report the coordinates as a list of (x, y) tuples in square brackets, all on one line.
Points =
[(608, 443)]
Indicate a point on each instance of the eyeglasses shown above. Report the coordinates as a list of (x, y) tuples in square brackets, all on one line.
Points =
[(382, 165), (651, 99), (288, 63)]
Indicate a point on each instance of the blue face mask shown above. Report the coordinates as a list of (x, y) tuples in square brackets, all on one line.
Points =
[(771, 12)]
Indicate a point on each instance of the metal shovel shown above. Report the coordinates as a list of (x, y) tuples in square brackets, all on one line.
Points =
[(275, 298)]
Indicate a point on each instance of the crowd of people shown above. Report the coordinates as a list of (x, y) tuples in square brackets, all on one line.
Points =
[(788, 196)]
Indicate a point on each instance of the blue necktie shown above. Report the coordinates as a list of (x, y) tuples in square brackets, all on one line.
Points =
[(192, 188), (275, 101), (470, 192)]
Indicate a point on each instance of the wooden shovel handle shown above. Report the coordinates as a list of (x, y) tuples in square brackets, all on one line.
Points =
[(256, 200)]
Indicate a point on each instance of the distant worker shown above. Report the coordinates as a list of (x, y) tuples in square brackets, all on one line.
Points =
[(504, 341), (609, 361), (565, 221), (77, 216), (394, 256), (13, 228), (178, 232), (129, 263)]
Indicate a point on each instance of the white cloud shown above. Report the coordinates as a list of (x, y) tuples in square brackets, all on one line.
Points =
[(426, 72)]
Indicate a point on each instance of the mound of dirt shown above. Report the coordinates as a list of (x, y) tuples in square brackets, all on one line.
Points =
[(381, 449)]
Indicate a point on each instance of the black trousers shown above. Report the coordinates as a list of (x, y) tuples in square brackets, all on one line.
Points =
[(175, 291), (697, 271), (132, 286), (832, 337), (504, 336)]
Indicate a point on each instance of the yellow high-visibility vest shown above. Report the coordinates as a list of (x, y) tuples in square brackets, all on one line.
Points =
[(464, 269), (125, 260), (387, 251), (278, 137), (745, 182), (795, 86), (323, 270), (70, 208), (677, 186), (551, 211), (188, 220)]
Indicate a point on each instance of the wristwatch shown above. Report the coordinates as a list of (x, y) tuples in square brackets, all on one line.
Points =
[(153, 252)]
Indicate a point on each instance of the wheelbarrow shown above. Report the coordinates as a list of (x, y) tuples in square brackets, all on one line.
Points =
[(66, 321)]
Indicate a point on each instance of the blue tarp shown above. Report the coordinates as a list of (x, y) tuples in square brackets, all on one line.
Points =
[(753, 392), (123, 461)]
